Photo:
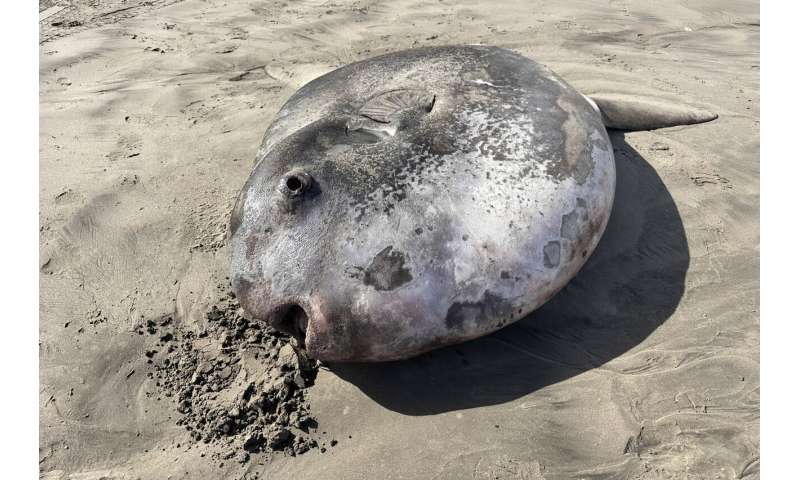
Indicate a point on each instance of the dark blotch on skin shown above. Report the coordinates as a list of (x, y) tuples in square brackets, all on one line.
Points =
[(490, 305), (552, 254), (569, 225), (387, 270)]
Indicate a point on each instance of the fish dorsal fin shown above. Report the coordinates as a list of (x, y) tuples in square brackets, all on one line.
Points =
[(387, 106), (634, 113)]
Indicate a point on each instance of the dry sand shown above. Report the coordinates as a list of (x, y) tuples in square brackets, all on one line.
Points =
[(645, 366)]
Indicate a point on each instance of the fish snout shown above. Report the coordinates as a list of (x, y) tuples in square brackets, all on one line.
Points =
[(300, 316), (297, 317), (320, 331), (326, 329)]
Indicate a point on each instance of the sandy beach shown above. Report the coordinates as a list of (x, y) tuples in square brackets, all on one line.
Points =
[(646, 366)]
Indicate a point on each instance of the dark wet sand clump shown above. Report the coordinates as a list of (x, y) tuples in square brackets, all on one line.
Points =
[(247, 409)]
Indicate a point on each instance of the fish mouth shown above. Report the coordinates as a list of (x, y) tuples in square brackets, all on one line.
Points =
[(291, 319), (293, 315)]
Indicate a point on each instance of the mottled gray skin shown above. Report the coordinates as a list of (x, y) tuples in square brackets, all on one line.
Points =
[(378, 241)]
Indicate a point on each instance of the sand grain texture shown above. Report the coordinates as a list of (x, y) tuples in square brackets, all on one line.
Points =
[(645, 366)]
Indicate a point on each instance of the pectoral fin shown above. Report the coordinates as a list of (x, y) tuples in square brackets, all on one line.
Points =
[(632, 112)]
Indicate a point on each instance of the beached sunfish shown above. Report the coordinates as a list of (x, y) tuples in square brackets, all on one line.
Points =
[(424, 198)]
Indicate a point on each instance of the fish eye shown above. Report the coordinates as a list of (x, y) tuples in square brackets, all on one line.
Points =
[(295, 183)]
